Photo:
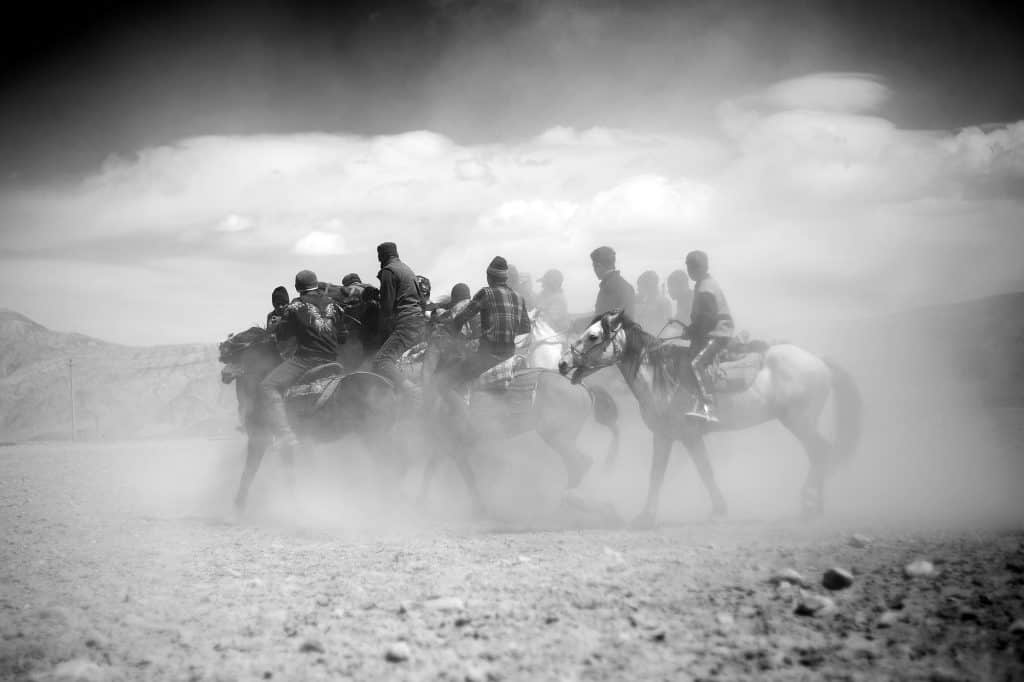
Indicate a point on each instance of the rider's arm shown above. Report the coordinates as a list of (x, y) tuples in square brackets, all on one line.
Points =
[(284, 327), (471, 309), (704, 314), (524, 318), (340, 326), (388, 293)]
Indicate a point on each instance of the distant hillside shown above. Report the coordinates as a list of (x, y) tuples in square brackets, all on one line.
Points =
[(968, 351), (120, 391)]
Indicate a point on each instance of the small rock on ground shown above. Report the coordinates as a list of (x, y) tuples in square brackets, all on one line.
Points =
[(919, 569), (445, 604), (859, 541), (397, 652), (790, 576), (814, 605), (837, 579)]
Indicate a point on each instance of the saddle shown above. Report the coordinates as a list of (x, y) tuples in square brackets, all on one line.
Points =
[(499, 377), (315, 387), (736, 367)]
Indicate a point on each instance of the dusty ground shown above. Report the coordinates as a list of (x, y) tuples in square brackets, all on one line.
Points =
[(116, 562)]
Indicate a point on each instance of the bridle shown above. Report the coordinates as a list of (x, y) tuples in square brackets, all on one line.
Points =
[(587, 361)]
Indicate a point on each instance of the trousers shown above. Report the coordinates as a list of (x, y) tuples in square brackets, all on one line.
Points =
[(272, 390)]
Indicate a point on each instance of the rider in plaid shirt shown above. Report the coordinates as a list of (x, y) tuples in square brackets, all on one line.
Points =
[(503, 316)]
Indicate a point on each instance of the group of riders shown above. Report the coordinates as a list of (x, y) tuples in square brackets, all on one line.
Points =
[(392, 318)]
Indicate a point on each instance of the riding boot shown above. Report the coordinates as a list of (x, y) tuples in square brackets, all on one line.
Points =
[(277, 419), (704, 407)]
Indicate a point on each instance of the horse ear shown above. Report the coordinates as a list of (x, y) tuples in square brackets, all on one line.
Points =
[(615, 319)]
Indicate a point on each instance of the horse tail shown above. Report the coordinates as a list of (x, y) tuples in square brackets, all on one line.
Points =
[(606, 413), (849, 409)]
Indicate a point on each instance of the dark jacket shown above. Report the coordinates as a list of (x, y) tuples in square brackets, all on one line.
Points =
[(399, 296), (317, 325), (614, 292), (710, 316)]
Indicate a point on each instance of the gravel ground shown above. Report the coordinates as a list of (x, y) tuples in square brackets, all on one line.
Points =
[(118, 562)]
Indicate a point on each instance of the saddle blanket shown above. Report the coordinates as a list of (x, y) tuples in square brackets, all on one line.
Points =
[(733, 373)]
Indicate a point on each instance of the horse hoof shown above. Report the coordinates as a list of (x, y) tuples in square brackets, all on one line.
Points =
[(643, 522)]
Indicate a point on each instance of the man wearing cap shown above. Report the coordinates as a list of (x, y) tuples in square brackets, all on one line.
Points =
[(317, 325), (711, 327), (653, 310), (503, 316), (614, 292), (401, 316), (551, 304)]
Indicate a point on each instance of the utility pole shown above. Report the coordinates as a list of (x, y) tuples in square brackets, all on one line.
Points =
[(71, 390)]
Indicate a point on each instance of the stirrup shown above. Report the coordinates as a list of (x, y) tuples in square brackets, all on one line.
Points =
[(704, 413)]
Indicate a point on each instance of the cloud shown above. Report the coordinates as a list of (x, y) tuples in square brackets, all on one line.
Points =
[(806, 182), (320, 243)]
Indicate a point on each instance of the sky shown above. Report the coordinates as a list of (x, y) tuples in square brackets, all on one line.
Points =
[(164, 167)]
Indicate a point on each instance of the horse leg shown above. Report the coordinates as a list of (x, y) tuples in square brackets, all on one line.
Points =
[(461, 458), (698, 450), (255, 449), (576, 462), (662, 448), (818, 449), (428, 477)]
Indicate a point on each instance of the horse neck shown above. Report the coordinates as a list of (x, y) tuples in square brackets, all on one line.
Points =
[(632, 364), (258, 361)]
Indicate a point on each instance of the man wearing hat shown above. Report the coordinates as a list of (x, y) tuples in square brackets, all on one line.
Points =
[(551, 304), (678, 285), (503, 316), (653, 309), (317, 325), (401, 316), (614, 292), (711, 327)]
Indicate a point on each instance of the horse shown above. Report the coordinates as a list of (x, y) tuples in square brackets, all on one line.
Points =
[(791, 386), (360, 402), (527, 400), (543, 346)]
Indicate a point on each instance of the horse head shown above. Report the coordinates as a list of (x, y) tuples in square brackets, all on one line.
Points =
[(234, 346), (601, 345)]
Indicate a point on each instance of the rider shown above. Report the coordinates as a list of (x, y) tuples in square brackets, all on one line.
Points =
[(401, 316), (317, 324), (711, 327), (503, 316), (279, 300), (551, 303), (614, 292), (653, 310), (679, 291)]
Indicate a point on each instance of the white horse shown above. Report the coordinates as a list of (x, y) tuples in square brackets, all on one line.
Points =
[(791, 386), (543, 346)]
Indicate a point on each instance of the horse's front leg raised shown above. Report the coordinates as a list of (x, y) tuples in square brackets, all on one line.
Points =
[(662, 448)]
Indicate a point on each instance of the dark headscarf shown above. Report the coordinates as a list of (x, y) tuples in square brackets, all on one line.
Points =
[(279, 297), (386, 251)]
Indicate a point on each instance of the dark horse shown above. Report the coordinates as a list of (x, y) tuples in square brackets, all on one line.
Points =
[(792, 386), (361, 402)]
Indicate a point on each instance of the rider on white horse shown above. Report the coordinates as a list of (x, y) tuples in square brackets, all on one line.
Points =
[(709, 331), (551, 304)]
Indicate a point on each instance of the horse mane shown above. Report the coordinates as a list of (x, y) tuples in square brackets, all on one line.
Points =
[(236, 343), (665, 359)]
